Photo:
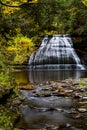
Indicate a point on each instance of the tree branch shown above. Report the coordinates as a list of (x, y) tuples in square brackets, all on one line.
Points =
[(26, 3), (7, 4)]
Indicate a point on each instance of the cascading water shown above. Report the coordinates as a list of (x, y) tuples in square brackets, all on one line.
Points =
[(55, 52)]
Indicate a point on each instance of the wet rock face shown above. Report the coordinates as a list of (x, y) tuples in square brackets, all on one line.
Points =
[(55, 52), (85, 60)]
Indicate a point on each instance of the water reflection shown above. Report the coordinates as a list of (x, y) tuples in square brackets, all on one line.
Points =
[(37, 76)]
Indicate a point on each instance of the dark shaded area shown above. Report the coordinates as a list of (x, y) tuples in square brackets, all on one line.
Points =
[(6, 95)]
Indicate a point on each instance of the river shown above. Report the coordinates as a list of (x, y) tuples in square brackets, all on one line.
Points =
[(48, 112)]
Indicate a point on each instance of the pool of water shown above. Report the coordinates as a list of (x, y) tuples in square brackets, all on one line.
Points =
[(38, 76)]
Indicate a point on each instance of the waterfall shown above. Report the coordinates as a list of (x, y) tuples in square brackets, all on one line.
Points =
[(55, 52)]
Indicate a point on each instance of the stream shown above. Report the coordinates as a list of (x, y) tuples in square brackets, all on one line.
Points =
[(52, 100)]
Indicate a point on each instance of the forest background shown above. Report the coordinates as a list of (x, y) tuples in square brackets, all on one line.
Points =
[(23, 23)]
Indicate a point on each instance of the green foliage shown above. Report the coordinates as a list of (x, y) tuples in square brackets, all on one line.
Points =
[(84, 2), (57, 16), (20, 48), (82, 84), (7, 117), (5, 120), (4, 79), (4, 61)]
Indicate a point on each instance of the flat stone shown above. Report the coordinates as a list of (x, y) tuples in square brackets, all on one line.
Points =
[(69, 91), (84, 98), (77, 95), (77, 116), (68, 125), (82, 110)]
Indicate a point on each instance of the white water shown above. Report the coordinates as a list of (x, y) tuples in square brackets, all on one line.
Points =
[(55, 52)]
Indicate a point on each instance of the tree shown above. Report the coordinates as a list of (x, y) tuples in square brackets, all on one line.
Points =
[(84, 2), (33, 19), (16, 3)]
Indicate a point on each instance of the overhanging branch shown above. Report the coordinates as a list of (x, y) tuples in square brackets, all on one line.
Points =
[(7, 4), (26, 3)]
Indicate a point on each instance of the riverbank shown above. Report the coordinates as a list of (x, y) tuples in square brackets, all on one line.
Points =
[(66, 100), (9, 112)]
